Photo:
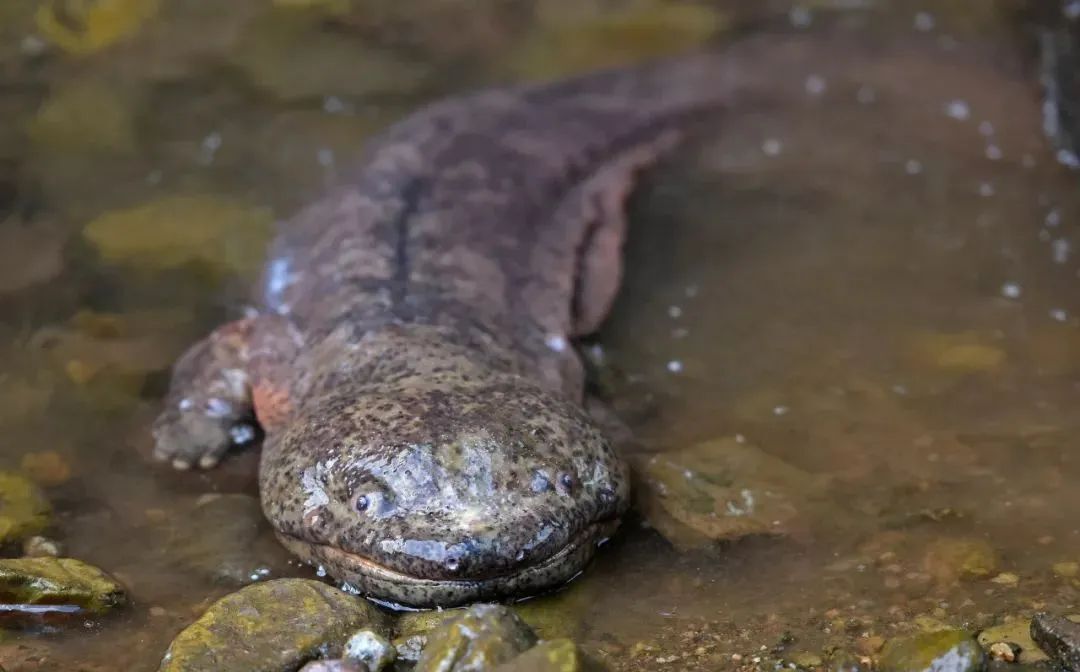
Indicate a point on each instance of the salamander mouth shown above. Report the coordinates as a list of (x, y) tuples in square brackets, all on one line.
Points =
[(393, 586)]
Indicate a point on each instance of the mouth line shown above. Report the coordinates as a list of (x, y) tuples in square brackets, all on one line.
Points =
[(363, 565)]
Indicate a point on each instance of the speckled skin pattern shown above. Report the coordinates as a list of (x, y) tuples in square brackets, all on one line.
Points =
[(410, 362)]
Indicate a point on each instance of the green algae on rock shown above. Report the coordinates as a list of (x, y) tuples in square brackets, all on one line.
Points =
[(24, 511), (271, 627), (59, 581), (1016, 631), (478, 638), (177, 230), (939, 651), (721, 490), (556, 655), (558, 615)]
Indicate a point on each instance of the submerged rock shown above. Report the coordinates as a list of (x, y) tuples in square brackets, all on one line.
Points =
[(721, 490), (966, 559), (479, 638), (939, 651), (217, 538), (961, 353), (271, 627), (1059, 637), (570, 40), (24, 511), (31, 253), (177, 230), (87, 117), (290, 54), (556, 655), (87, 26), (56, 588)]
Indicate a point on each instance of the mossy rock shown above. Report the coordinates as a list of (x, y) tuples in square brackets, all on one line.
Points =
[(24, 511), (59, 581), (478, 638), (556, 655), (722, 490), (1016, 631), (939, 651), (966, 559), (558, 615), (178, 230), (272, 627)]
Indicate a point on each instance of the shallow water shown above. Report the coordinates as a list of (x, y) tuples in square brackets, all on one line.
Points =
[(873, 279)]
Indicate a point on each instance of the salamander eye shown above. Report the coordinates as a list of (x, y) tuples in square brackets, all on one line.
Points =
[(373, 502), (362, 502)]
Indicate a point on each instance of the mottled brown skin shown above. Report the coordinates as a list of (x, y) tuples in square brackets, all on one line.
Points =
[(425, 437)]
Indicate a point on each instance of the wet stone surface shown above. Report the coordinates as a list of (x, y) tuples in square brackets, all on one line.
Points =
[(55, 591), (274, 626), (940, 651), (478, 638), (1059, 637)]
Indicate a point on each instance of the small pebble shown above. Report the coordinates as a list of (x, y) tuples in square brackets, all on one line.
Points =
[(1002, 651), (42, 547)]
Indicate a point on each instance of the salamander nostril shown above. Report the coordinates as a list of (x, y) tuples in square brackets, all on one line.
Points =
[(567, 482), (540, 482), (607, 496)]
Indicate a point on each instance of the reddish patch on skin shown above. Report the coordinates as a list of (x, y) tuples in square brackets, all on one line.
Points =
[(272, 404)]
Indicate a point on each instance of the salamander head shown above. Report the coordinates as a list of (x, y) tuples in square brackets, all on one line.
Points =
[(443, 493)]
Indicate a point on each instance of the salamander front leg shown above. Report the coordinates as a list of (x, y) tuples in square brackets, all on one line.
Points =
[(209, 407)]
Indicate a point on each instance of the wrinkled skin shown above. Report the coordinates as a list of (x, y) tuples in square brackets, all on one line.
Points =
[(410, 362)]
